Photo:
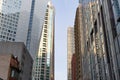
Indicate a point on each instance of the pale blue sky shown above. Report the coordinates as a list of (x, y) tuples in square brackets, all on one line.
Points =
[(65, 13)]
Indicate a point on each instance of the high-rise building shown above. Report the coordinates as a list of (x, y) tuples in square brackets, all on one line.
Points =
[(77, 31), (101, 21), (9, 18), (44, 65), (111, 32), (14, 19), (36, 21), (70, 50), (93, 63)]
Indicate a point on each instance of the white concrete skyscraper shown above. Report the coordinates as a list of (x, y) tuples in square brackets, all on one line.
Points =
[(9, 18), (44, 67)]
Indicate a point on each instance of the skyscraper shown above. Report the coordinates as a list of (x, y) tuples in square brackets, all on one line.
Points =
[(101, 21), (70, 50), (36, 21), (9, 18), (44, 65), (77, 31)]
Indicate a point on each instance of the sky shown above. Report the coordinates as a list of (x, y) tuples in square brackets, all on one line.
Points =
[(65, 14)]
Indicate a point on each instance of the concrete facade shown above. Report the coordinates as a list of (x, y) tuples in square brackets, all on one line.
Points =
[(73, 67), (4, 67), (9, 67), (70, 50), (77, 31), (19, 50)]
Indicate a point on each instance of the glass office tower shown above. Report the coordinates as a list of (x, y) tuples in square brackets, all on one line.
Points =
[(36, 21), (44, 67)]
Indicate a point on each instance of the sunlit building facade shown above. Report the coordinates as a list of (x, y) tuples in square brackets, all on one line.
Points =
[(95, 45), (70, 51), (44, 65), (77, 31), (101, 20)]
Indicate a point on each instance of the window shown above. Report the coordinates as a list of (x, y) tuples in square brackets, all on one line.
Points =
[(12, 73), (45, 31), (8, 30), (46, 18), (14, 32), (43, 54), (45, 22), (9, 38), (3, 36), (23, 56), (95, 27)]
